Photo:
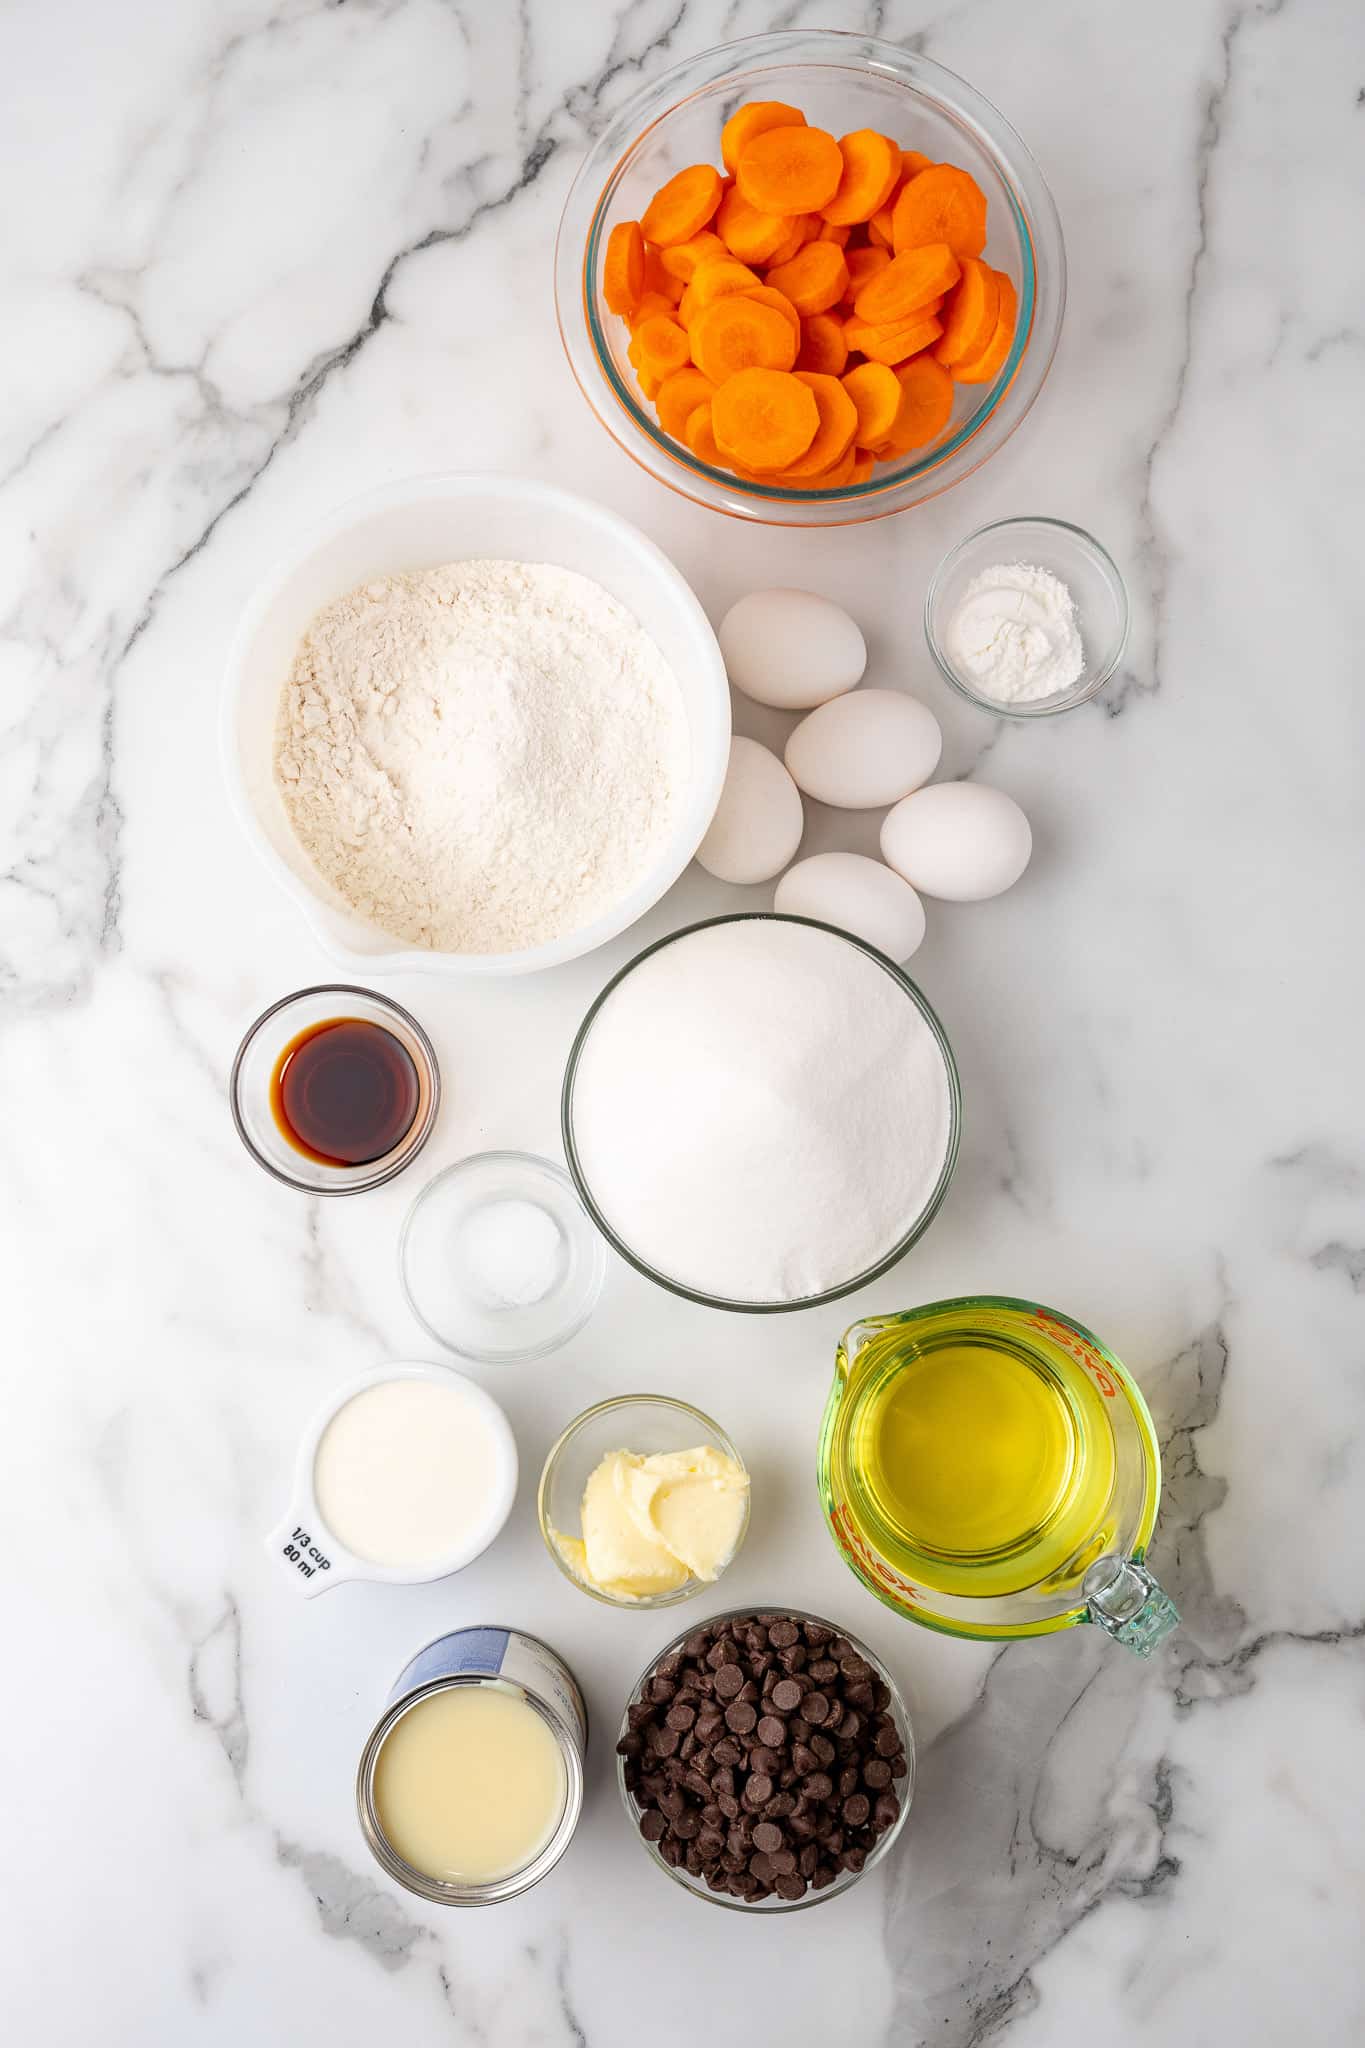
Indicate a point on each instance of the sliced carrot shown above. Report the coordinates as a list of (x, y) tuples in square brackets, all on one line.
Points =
[(871, 173), (831, 479), (973, 308), (682, 207), (876, 394), (682, 259), (737, 333), (659, 345), (823, 346), (864, 462), (713, 280), (788, 170), (765, 419), (749, 235), (926, 405), (908, 282), (913, 161), (988, 365), (864, 264), (681, 392), (801, 228), (766, 296), (623, 267), (657, 279), (942, 204), (838, 423), (650, 304), (879, 228), (754, 119), (700, 436), (815, 278), (896, 345), (648, 382), (830, 233)]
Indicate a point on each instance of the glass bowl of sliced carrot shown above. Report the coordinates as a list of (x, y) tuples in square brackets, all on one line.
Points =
[(810, 278)]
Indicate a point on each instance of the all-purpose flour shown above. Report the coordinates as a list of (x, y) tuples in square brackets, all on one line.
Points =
[(481, 757), (760, 1112)]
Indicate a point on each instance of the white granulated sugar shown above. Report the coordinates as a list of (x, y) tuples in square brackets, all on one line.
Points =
[(760, 1112), (481, 757), (1015, 635)]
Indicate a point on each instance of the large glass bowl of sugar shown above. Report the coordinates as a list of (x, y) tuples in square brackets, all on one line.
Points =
[(761, 1113)]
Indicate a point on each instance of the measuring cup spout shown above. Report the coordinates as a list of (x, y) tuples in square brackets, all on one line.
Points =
[(1125, 1600)]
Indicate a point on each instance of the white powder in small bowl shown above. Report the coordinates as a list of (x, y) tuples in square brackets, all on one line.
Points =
[(760, 1112), (1014, 634)]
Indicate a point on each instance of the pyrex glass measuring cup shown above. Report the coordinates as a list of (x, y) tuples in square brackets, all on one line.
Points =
[(988, 1469)]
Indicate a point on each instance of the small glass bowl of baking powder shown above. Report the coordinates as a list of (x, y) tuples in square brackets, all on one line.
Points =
[(499, 1260), (1078, 561)]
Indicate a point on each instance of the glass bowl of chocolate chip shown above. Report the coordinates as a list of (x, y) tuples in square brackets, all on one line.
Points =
[(766, 1760)]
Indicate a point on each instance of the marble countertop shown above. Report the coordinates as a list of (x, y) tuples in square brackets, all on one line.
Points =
[(261, 254)]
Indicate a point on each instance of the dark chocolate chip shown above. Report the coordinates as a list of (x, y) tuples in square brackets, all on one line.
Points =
[(784, 1861), (786, 1696), (741, 1718), (783, 1633), (848, 1780), (652, 1825), (680, 1715), (818, 1787), (823, 1748), (729, 1680), (727, 1751), (887, 1741), (886, 1812), (759, 1789), (772, 1732), (790, 1886), (815, 1709), (876, 1773), (899, 1767), (767, 1837), (856, 1809)]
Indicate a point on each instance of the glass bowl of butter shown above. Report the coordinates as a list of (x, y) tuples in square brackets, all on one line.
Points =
[(643, 1501)]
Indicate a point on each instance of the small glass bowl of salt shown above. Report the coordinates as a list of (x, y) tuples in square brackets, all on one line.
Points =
[(1027, 617), (498, 1258)]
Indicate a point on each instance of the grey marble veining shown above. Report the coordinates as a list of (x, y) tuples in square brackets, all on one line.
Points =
[(260, 256)]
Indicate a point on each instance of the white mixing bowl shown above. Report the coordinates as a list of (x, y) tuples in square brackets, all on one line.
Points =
[(419, 524)]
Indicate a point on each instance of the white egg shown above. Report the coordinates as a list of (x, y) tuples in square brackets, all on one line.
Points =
[(958, 840), (759, 819), (859, 896), (865, 750), (791, 649)]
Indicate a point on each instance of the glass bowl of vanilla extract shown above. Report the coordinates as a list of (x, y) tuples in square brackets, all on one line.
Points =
[(334, 1090)]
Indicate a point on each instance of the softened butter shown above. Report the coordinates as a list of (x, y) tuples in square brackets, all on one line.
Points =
[(652, 1521)]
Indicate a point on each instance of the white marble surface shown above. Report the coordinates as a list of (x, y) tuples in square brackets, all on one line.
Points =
[(257, 256)]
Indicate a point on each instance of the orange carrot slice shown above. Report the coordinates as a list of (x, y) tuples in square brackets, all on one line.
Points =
[(863, 264), (871, 173), (926, 405), (765, 419), (973, 308), (837, 425), (657, 279), (788, 170), (913, 161), (751, 120), (814, 280), (984, 368), (623, 267), (908, 282), (682, 207), (700, 436), (823, 346), (879, 228), (766, 296), (659, 345), (876, 394), (681, 259), (714, 279), (737, 333), (650, 304), (681, 392), (648, 382), (801, 228), (749, 235), (895, 345), (942, 204)]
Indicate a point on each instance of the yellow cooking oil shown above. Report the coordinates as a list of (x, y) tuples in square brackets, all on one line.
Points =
[(979, 1466)]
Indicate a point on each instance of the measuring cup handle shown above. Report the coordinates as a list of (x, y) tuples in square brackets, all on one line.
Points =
[(1124, 1599), (296, 1548)]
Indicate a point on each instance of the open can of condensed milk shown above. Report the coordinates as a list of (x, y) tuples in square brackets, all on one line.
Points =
[(470, 1786)]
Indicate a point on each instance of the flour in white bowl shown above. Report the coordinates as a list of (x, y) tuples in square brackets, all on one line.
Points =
[(481, 757)]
